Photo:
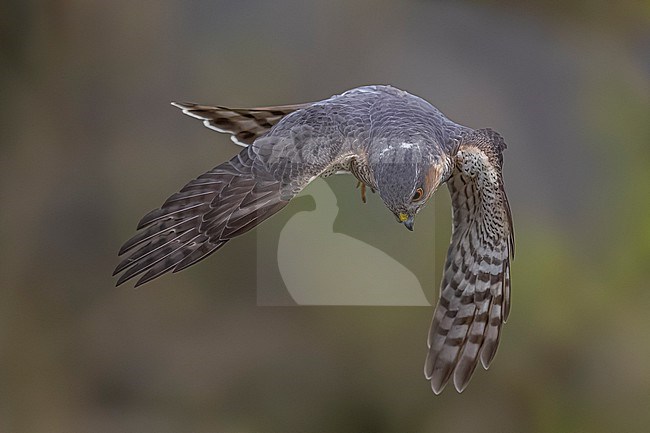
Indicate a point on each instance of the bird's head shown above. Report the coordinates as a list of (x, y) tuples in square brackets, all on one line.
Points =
[(407, 179)]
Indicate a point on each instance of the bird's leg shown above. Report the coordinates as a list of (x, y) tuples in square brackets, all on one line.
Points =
[(363, 190)]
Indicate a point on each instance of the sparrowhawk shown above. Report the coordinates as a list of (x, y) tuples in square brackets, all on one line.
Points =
[(393, 142)]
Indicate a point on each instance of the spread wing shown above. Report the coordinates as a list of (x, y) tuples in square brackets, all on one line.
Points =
[(244, 124), (199, 219), (475, 291), (232, 198)]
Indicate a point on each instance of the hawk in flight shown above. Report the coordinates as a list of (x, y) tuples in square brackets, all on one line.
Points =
[(393, 142)]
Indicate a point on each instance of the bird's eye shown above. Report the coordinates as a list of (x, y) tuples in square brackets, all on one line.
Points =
[(418, 194)]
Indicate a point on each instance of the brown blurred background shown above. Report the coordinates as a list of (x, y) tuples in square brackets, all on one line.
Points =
[(89, 143)]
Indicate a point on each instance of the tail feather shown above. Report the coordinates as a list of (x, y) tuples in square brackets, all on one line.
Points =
[(244, 124)]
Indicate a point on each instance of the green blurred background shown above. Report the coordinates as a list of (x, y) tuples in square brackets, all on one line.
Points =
[(89, 143)]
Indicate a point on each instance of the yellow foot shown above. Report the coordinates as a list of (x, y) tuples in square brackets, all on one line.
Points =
[(363, 190)]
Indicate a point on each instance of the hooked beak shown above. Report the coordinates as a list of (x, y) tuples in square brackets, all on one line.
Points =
[(409, 223), (406, 220)]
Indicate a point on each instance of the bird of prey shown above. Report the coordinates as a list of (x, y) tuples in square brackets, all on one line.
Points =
[(393, 142)]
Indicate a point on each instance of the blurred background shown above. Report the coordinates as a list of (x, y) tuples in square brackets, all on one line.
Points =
[(89, 144)]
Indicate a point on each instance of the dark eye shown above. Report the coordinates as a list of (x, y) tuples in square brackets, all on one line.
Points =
[(418, 194)]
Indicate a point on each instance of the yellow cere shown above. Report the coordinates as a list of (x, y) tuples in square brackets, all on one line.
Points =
[(403, 217)]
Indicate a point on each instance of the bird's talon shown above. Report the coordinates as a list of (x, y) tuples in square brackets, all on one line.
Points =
[(363, 190)]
